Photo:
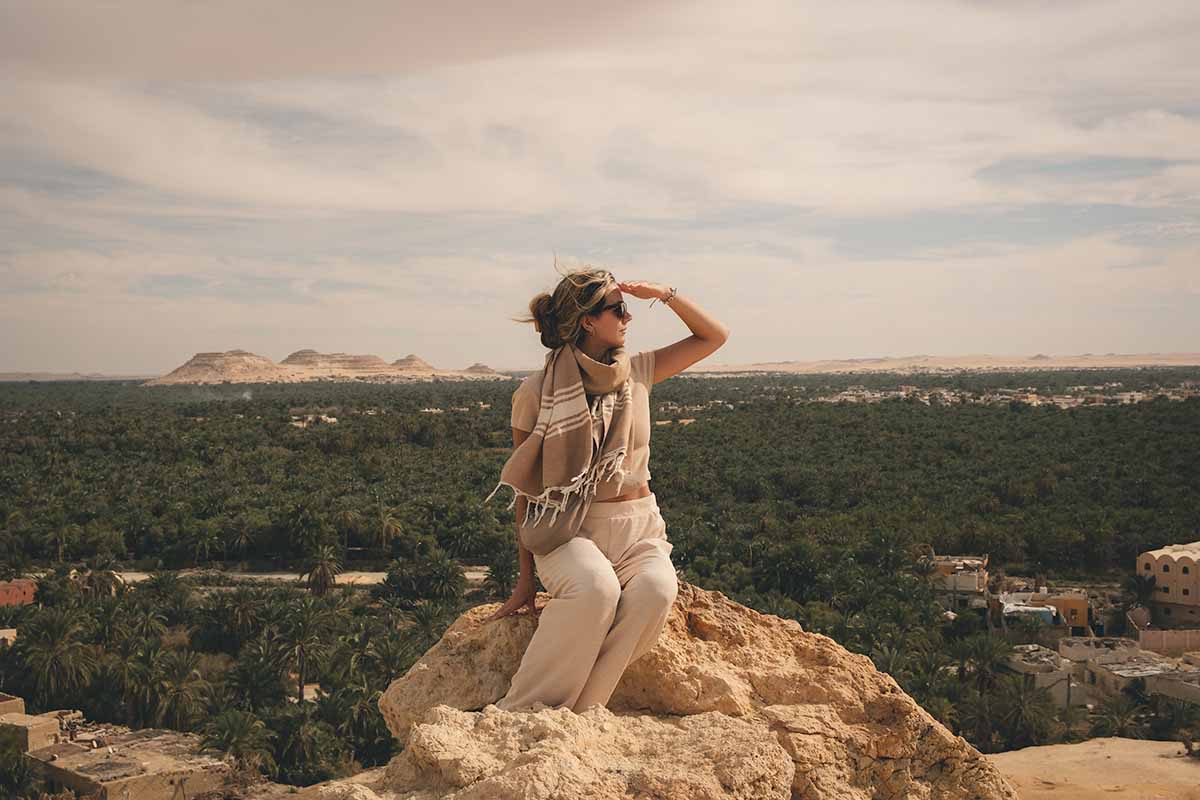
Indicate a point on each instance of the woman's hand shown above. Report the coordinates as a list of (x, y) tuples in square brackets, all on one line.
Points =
[(644, 290), (525, 593)]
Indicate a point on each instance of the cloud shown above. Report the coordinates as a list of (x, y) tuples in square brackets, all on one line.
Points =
[(272, 39), (191, 161)]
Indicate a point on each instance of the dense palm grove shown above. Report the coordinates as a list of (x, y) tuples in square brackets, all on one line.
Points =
[(810, 510)]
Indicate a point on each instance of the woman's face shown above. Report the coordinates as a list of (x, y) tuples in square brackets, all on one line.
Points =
[(608, 328)]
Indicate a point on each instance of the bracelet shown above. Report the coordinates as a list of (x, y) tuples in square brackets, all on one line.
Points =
[(670, 296)]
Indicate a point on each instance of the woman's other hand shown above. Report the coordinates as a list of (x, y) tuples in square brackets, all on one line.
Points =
[(524, 594)]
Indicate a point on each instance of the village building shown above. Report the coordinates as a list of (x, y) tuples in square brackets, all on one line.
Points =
[(112, 762), (1101, 649), (35, 731), (17, 593), (961, 581), (1046, 669), (9, 704), (8, 636), (1176, 602), (1110, 665), (1063, 613)]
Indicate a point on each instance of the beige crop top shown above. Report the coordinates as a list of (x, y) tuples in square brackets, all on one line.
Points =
[(527, 399)]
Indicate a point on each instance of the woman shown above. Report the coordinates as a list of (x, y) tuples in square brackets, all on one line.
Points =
[(586, 517)]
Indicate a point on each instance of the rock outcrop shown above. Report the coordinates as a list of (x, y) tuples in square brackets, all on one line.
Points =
[(482, 369), (232, 366), (412, 362), (729, 703), (336, 362), (239, 366)]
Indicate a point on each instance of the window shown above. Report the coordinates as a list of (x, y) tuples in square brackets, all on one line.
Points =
[(1185, 570), (1187, 591), (1166, 567), (1166, 590), (1147, 566)]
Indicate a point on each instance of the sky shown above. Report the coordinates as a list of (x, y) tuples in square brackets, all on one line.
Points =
[(829, 180)]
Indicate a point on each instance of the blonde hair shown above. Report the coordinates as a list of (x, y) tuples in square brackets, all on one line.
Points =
[(558, 315)]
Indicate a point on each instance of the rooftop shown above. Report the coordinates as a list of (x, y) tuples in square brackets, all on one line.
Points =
[(106, 753), (1176, 551)]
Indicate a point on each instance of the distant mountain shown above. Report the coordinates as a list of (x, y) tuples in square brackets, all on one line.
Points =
[(311, 359), (232, 366), (240, 366), (480, 369), (68, 376), (413, 362)]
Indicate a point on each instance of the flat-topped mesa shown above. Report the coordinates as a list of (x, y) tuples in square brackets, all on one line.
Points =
[(311, 359), (413, 362), (233, 366), (729, 703), (480, 369)]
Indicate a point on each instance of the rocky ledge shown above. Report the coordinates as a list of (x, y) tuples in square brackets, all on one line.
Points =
[(730, 703)]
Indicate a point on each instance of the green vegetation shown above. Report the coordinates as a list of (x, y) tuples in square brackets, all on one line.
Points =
[(814, 511)]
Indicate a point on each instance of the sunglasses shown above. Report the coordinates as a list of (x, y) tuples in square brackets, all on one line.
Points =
[(621, 309)]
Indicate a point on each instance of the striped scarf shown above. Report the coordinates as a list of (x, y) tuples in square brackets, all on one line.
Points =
[(573, 447)]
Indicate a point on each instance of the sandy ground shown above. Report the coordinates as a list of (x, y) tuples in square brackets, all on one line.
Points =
[(1114, 769)]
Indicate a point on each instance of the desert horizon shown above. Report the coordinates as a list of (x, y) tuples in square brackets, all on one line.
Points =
[(897, 364)]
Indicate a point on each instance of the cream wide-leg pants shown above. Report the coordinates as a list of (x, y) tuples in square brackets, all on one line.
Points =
[(611, 588)]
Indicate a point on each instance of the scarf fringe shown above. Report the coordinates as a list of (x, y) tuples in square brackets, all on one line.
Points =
[(587, 482)]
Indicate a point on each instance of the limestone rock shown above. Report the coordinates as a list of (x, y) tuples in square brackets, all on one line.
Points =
[(335, 362), (233, 366), (482, 369), (239, 366), (706, 713), (412, 362)]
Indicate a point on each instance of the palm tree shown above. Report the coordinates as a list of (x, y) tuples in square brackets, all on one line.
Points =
[(305, 638), (1120, 716), (18, 778), (148, 624), (988, 655), (353, 711), (181, 689), (1173, 718), (142, 681), (110, 621), (308, 750), (322, 569), (59, 663), (61, 537), (426, 622), (927, 676), (1025, 713), (1142, 587), (976, 719), (307, 527), (960, 653), (348, 521), (205, 540), (444, 580), (244, 738), (244, 610), (258, 676), (387, 526), (891, 660)]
